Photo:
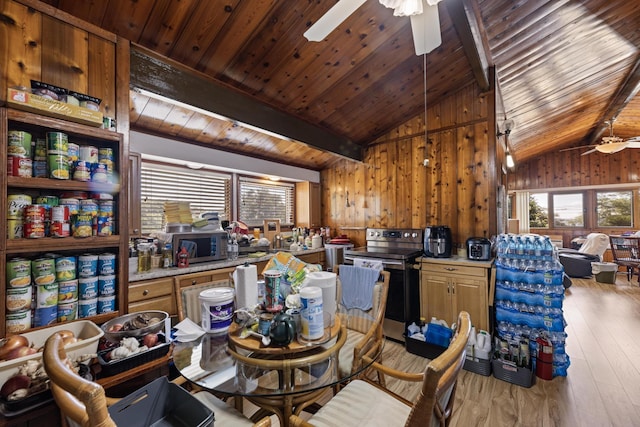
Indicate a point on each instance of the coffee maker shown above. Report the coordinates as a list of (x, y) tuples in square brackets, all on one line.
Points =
[(437, 241)]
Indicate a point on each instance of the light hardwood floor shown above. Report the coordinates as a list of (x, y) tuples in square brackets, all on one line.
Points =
[(602, 387)]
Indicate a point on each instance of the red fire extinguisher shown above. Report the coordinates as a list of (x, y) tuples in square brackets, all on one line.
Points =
[(544, 362)]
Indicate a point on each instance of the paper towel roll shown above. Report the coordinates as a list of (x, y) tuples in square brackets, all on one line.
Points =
[(245, 278), (326, 281)]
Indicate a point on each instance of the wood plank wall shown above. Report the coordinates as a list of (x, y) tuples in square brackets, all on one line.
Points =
[(392, 188), (570, 171)]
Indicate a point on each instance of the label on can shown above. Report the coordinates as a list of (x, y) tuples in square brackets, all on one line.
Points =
[(34, 213), (19, 272), (15, 229), (60, 213), (47, 295), (89, 206), (34, 229), (105, 155), (99, 172), (65, 268), (19, 298), (74, 195), (48, 200), (106, 304), (105, 227), (67, 311), (105, 208), (72, 204), (19, 143), (45, 316), (81, 171), (60, 229), (16, 204), (22, 167), (87, 265), (67, 291), (57, 143), (44, 271), (87, 287), (88, 153), (73, 152), (10, 165), (58, 166), (106, 285), (40, 169), (83, 225), (106, 264), (40, 152), (18, 322), (87, 308)]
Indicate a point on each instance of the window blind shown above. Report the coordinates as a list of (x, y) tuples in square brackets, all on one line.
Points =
[(206, 191), (261, 199)]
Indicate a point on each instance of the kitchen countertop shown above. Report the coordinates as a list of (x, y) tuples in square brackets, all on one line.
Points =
[(458, 260), (158, 273)]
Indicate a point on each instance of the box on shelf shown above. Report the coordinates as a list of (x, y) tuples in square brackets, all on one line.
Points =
[(161, 403), (37, 104), (87, 332), (507, 371)]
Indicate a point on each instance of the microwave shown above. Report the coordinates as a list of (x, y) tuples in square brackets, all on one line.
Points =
[(202, 247)]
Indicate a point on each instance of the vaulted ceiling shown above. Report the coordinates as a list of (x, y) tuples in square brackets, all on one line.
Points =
[(564, 68)]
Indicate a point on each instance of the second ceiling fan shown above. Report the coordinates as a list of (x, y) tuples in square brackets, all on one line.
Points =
[(425, 21), (610, 144)]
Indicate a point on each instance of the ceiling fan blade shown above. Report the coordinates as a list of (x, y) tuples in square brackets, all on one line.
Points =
[(633, 143), (330, 20), (612, 147), (426, 29), (576, 148), (593, 150)]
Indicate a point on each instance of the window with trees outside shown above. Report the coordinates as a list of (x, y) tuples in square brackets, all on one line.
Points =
[(539, 210), (614, 208), (263, 199)]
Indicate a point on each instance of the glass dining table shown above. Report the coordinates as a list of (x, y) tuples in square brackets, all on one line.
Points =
[(280, 380)]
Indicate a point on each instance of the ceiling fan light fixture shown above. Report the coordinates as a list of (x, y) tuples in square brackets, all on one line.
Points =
[(403, 7), (611, 147)]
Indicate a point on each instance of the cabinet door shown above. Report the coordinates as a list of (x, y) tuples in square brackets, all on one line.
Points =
[(435, 295), (308, 204), (471, 296)]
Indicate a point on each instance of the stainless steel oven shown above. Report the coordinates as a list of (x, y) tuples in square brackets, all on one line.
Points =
[(397, 249)]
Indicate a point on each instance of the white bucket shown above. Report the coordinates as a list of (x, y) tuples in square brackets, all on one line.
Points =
[(217, 309), (311, 315)]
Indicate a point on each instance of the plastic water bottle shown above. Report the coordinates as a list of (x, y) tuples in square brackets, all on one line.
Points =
[(234, 249), (519, 248)]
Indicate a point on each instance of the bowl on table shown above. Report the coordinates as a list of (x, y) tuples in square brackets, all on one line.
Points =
[(136, 325)]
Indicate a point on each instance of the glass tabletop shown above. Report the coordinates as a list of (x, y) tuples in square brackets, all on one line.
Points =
[(214, 363)]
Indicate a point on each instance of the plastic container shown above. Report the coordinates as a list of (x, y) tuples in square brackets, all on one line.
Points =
[(217, 309), (507, 371), (114, 367), (161, 403), (422, 348), (605, 272), (311, 314)]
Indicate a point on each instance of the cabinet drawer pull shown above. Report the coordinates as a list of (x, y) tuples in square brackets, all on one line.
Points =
[(450, 268), (145, 292), (193, 282)]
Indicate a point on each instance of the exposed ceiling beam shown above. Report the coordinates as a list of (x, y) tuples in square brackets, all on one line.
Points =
[(467, 20), (623, 96), (162, 76)]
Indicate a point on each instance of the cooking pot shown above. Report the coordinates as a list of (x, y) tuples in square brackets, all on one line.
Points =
[(283, 329), (478, 248)]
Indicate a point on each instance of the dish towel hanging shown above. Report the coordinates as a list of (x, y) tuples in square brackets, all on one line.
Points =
[(367, 263), (357, 286)]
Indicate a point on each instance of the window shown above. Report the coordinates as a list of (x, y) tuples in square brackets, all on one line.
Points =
[(568, 210), (261, 199), (205, 191), (614, 208), (538, 210)]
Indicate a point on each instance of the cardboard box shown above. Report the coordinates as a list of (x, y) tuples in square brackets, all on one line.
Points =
[(37, 104)]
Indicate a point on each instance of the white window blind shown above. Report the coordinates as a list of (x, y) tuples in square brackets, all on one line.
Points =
[(205, 191), (261, 199)]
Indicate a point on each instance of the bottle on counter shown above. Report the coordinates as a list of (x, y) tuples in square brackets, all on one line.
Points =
[(167, 256), (234, 249), (144, 257), (183, 258)]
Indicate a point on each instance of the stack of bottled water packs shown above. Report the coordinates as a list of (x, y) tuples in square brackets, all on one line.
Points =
[(528, 300)]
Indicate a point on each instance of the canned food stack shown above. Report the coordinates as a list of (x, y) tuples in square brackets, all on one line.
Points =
[(56, 158), (57, 288), (16, 204)]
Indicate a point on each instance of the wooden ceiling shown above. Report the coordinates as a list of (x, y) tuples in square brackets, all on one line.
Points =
[(564, 67)]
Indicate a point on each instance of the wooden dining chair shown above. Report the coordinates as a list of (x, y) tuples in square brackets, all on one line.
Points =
[(364, 328), (85, 403), (363, 402)]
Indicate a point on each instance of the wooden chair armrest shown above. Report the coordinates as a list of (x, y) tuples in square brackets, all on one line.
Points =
[(401, 375), (296, 421), (112, 400), (264, 422)]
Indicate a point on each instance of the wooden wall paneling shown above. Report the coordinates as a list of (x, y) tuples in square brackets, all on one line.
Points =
[(349, 185), (484, 196), (21, 35), (466, 183), (435, 175), (418, 186), (574, 164), (382, 182), (370, 185), (102, 74), (405, 169), (360, 196), (65, 58), (448, 179)]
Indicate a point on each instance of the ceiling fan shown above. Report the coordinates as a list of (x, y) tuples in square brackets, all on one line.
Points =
[(425, 21), (610, 144)]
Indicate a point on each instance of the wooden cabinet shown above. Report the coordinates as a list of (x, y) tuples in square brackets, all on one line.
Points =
[(308, 213), (314, 258), (447, 287), (157, 294), (95, 241), (203, 277)]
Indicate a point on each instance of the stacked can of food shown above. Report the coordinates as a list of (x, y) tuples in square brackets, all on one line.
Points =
[(19, 161), (40, 159), (19, 295), (106, 283), (35, 221), (66, 275), (87, 285), (58, 155), (46, 291), (16, 204)]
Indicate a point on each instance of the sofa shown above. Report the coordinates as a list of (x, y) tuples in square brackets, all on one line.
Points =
[(577, 263)]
